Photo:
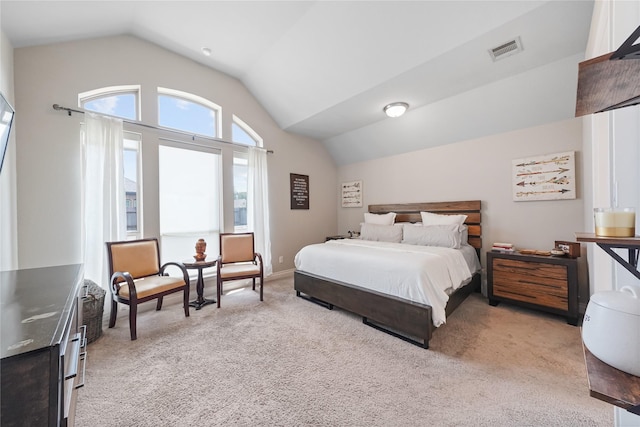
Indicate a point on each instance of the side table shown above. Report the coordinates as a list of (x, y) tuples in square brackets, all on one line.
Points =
[(540, 282), (201, 301)]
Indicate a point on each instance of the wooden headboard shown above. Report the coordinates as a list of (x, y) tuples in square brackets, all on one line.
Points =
[(410, 212)]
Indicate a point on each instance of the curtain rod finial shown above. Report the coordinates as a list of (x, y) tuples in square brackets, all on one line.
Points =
[(58, 107)]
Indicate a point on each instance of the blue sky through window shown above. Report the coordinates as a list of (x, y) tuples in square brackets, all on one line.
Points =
[(124, 106), (178, 113), (116, 105), (175, 113), (240, 136)]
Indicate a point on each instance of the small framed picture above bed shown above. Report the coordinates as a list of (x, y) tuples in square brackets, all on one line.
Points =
[(352, 194)]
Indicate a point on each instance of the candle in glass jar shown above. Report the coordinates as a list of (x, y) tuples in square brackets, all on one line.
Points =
[(615, 222)]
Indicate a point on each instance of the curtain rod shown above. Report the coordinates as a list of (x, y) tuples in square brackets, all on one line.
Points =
[(137, 123)]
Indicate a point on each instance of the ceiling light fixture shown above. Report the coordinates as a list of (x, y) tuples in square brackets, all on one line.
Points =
[(395, 109), (206, 51)]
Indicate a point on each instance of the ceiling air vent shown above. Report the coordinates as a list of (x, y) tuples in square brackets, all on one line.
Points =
[(506, 49)]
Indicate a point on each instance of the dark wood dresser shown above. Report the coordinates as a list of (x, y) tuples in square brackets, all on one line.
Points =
[(43, 345), (541, 282)]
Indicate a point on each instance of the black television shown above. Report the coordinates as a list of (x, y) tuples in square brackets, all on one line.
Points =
[(6, 120)]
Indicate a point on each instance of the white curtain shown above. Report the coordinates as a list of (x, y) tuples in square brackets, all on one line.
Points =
[(258, 205), (104, 194)]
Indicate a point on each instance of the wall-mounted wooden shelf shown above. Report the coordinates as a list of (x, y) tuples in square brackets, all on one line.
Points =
[(606, 382), (612, 385), (631, 244), (621, 241)]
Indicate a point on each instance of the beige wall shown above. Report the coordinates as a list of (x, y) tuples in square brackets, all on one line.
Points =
[(478, 169), (49, 156)]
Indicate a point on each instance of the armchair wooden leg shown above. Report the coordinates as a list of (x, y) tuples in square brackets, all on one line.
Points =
[(159, 305), (218, 290), (261, 288), (114, 313), (133, 314), (254, 284), (185, 302)]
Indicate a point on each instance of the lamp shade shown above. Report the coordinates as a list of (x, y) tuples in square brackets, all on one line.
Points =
[(395, 109)]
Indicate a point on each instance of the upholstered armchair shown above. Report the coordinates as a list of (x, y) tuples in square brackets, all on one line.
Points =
[(137, 277), (238, 260)]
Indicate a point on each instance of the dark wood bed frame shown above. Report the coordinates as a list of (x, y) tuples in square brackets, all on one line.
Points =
[(399, 317)]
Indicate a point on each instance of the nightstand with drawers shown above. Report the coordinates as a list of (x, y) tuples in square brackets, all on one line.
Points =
[(544, 283)]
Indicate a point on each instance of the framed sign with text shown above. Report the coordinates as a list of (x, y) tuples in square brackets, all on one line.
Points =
[(299, 191)]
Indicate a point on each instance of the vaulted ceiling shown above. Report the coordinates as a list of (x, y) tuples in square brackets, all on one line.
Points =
[(327, 68)]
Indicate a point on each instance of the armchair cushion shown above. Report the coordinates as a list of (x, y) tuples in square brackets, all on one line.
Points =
[(236, 270), (139, 258), (237, 248), (151, 285)]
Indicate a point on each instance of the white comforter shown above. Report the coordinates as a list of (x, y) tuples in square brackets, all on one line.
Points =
[(424, 274)]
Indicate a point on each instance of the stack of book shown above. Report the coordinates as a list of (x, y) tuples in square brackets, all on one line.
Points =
[(503, 247)]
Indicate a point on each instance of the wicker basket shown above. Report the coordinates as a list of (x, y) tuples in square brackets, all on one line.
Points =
[(92, 310)]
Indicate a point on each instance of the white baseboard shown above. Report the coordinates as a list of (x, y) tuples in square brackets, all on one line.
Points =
[(280, 275)]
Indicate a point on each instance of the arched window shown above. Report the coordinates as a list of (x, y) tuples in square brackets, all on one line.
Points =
[(241, 133), (119, 101), (123, 101), (188, 113)]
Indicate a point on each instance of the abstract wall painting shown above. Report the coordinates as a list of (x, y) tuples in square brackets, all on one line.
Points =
[(548, 177)]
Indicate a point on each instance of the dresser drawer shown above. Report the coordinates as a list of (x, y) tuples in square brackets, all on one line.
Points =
[(545, 283), (532, 282)]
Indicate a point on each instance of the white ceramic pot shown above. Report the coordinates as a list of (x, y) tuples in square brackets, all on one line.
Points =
[(611, 328)]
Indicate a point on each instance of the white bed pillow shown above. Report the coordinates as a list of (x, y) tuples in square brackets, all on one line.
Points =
[(446, 236), (429, 218), (464, 235), (381, 219), (381, 233)]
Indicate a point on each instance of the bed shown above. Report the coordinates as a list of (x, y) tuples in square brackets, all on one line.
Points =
[(404, 312)]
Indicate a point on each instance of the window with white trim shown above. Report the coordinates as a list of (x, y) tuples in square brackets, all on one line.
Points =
[(132, 161), (189, 182), (123, 102), (241, 133), (188, 113), (118, 101)]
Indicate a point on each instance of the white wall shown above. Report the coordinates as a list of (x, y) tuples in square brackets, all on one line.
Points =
[(478, 169), (531, 98), (48, 148), (8, 214)]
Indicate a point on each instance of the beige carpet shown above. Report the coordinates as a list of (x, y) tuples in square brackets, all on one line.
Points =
[(288, 362)]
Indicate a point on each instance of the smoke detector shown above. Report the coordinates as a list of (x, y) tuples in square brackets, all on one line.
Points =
[(506, 49)]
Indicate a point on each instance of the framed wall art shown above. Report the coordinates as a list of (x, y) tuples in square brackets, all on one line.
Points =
[(548, 177), (352, 194), (299, 185)]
